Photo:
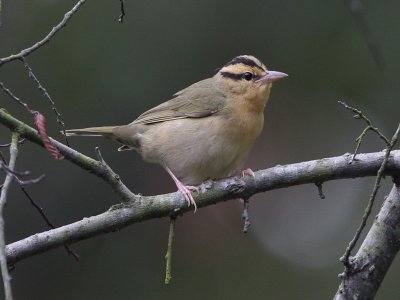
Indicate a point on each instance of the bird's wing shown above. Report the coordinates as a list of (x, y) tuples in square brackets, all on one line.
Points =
[(199, 100)]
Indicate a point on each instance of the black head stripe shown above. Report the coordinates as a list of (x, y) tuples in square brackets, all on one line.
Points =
[(231, 75), (235, 76), (245, 61)]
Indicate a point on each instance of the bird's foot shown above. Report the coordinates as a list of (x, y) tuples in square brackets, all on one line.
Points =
[(248, 172), (187, 190)]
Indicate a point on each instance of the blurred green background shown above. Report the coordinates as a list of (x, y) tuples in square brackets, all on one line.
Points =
[(100, 72)]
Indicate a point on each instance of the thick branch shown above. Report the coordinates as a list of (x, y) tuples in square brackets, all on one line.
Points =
[(138, 208), (144, 208), (373, 259)]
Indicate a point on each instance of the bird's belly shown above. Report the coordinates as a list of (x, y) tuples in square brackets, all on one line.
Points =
[(196, 151)]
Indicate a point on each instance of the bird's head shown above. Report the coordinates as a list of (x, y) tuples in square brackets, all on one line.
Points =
[(247, 78)]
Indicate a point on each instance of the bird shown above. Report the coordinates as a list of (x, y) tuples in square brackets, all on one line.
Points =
[(206, 131)]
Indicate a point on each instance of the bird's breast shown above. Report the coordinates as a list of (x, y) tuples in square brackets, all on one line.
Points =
[(204, 148)]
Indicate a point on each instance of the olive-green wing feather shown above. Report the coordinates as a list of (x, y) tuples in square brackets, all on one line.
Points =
[(199, 100)]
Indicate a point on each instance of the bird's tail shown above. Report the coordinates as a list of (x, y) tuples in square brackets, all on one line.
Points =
[(106, 131)]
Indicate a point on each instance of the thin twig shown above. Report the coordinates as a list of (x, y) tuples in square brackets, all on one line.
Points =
[(320, 191), (245, 215), (7, 169), (360, 115), (21, 141), (18, 100), (4, 166), (38, 208), (345, 258), (14, 175), (122, 8), (104, 164), (168, 255), (40, 123), (48, 97), (47, 220), (3, 199), (29, 181), (46, 39), (359, 139)]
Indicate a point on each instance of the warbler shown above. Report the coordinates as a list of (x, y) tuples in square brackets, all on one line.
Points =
[(206, 130)]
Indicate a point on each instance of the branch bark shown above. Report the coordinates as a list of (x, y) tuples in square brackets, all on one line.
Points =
[(373, 259), (3, 199), (142, 208), (136, 208)]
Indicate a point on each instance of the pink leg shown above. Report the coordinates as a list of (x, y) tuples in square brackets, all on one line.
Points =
[(186, 190)]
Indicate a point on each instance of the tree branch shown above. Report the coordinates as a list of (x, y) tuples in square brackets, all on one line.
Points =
[(3, 200), (46, 39), (376, 253), (367, 212), (144, 208), (96, 167), (136, 208)]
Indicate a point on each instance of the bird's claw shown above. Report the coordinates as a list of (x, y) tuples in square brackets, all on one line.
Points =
[(249, 172), (186, 190)]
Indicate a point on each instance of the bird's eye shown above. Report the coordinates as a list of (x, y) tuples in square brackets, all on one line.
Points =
[(248, 76)]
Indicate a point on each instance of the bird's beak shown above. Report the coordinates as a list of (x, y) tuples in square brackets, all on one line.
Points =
[(271, 76)]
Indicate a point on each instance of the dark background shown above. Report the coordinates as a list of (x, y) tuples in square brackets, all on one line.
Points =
[(100, 72)]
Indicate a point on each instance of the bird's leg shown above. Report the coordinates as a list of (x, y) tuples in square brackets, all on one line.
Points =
[(186, 190)]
